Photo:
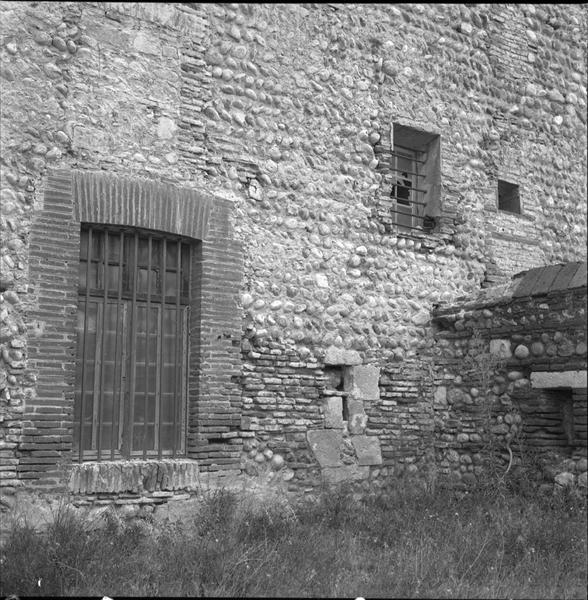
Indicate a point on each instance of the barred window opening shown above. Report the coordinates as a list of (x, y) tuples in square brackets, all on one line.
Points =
[(408, 201), (410, 166), (132, 344)]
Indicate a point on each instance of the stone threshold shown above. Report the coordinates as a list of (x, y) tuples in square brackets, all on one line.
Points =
[(134, 476)]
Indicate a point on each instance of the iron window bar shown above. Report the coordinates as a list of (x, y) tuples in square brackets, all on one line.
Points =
[(177, 385), (82, 416), (161, 352), (403, 200), (407, 172), (410, 189), (98, 406), (147, 335), (401, 226), (420, 162), (399, 212), (119, 404), (130, 404)]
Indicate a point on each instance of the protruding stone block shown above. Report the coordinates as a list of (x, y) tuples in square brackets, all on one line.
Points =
[(362, 382), (556, 379), (340, 356), (367, 449), (326, 446)]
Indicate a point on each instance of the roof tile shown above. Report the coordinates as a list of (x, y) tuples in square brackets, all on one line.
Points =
[(563, 278), (579, 279)]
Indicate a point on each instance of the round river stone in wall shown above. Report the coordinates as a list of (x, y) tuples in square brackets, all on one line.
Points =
[(537, 348), (521, 351)]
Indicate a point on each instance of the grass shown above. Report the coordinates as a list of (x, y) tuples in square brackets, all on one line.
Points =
[(477, 545)]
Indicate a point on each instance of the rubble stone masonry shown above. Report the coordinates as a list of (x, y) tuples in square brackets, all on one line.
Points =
[(511, 372), (314, 357)]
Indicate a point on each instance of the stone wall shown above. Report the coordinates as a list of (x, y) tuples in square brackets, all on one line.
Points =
[(285, 113)]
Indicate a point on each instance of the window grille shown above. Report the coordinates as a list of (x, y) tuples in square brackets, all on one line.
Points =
[(407, 195), (412, 173), (132, 344)]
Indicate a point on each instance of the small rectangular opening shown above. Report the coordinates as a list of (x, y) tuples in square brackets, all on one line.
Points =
[(336, 383), (509, 198), (334, 377), (345, 412), (552, 421)]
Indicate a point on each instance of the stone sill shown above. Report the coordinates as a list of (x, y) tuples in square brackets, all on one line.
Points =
[(134, 476)]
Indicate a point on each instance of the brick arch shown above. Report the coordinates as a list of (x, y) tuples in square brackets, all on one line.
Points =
[(138, 202)]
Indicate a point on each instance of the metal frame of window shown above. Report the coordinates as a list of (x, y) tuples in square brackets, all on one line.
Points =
[(410, 196), (133, 347), (406, 195)]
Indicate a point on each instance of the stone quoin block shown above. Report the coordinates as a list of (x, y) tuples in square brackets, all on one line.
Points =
[(362, 382), (326, 446), (333, 407), (367, 449), (340, 356)]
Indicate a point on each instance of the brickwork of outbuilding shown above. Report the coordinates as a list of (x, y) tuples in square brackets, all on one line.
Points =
[(511, 367)]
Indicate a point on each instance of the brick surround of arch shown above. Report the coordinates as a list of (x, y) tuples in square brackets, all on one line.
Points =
[(214, 400)]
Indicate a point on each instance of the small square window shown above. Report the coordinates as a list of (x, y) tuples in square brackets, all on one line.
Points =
[(509, 198)]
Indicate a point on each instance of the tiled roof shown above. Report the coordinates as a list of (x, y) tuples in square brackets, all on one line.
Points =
[(543, 280)]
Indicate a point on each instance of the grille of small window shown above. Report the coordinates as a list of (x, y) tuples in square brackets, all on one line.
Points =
[(407, 198), (408, 161)]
